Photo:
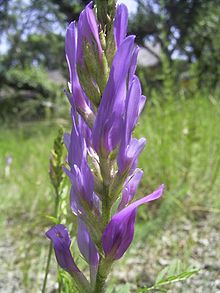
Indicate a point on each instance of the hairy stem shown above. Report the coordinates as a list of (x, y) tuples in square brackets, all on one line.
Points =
[(106, 208), (102, 274), (104, 265)]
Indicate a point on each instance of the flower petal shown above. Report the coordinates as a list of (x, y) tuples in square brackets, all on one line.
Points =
[(86, 245), (131, 148), (119, 233), (66, 139), (113, 99), (71, 49), (133, 65), (82, 187), (61, 244), (128, 156), (120, 24), (77, 147), (130, 188), (87, 30), (141, 104), (132, 106)]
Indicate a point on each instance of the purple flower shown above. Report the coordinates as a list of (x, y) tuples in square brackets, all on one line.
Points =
[(107, 129), (79, 96), (61, 244), (82, 188), (77, 148), (130, 148), (120, 24), (119, 233), (88, 32), (80, 174), (86, 245)]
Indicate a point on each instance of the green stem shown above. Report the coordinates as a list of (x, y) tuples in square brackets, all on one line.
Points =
[(106, 208), (47, 267), (51, 246), (104, 264), (102, 274)]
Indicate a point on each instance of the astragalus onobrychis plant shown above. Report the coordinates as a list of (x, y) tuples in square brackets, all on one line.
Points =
[(106, 101)]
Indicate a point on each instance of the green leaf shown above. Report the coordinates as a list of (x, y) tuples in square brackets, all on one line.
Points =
[(172, 269), (169, 275), (52, 219)]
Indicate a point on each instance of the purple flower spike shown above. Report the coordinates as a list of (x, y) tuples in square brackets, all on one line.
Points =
[(61, 244), (107, 128), (130, 188), (87, 30), (119, 233), (106, 101), (120, 24), (86, 245)]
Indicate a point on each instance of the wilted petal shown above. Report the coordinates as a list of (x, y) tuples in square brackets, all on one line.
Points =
[(120, 24), (119, 233), (130, 188), (61, 244), (86, 245)]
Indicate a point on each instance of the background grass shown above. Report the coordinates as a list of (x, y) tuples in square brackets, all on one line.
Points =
[(183, 152)]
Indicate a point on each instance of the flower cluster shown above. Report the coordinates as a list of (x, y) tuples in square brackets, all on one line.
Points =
[(106, 101)]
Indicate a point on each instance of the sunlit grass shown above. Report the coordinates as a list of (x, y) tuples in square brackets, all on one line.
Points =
[(183, 152)]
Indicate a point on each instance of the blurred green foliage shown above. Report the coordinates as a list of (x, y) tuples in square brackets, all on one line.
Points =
[(189, 37), (33, 37), (27, 94), (32, 32)]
